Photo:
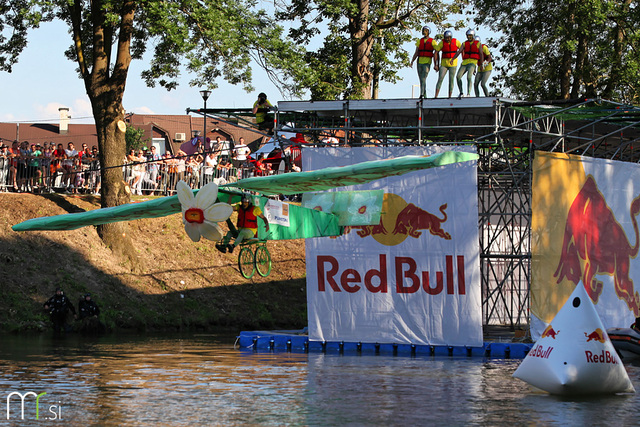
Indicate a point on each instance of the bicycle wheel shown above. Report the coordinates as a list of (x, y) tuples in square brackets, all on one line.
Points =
[(263, 261), (246, 262)]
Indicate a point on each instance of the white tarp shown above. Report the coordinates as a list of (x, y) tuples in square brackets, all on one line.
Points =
[(412, 278)]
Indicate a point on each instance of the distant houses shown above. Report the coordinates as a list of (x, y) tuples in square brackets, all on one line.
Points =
[(166, 132)]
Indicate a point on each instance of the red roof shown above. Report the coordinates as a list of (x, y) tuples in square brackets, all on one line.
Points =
[(38, 133), (172, 128)]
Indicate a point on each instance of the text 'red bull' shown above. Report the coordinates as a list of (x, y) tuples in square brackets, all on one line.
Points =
[(540, 351), (405, 269), (604, 357)]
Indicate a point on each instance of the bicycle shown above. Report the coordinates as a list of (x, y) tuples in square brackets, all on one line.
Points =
[(250, 260)]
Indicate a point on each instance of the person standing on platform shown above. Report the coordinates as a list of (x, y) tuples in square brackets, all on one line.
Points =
[(424, 54), (261, 109), (447, 48), (484, 70), (471, 56)]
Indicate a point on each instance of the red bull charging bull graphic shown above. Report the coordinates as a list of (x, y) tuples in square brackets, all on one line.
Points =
[(597, 335), (595, 244), (585, 232), (550, 332), (401, 220), (411, 277)]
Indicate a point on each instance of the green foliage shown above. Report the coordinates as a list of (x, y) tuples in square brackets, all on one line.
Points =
[(210, 39), (559, 50), (134, 139), (362, 42)]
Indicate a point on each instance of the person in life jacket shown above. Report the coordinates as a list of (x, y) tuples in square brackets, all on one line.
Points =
[(425, 51), (58, 306), (445, 61), (484, 70), (471, 51), (247, 225)]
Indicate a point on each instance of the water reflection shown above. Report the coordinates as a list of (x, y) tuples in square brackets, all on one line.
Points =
[(177, 380)]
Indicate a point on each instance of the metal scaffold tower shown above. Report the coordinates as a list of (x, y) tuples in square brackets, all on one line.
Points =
[(507, 133)]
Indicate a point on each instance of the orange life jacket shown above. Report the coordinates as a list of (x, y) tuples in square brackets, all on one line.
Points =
[(449, 49), (471, 50), (246, 218), (426, 47)]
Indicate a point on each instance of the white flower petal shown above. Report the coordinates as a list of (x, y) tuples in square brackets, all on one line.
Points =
[(193, 231), (211, 231), (207, 196), (185, 195), (218, 212)]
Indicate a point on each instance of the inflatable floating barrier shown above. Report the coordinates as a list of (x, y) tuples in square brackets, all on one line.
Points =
[(626, 341), (574, 355)]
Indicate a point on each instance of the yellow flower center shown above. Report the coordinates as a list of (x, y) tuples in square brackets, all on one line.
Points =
[(194, 215), (362, 209)]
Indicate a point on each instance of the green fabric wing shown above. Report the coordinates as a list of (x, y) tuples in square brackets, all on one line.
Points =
[(324, 179), (291, 183)]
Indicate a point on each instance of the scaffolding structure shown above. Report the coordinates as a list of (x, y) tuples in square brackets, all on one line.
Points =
[(507, 133)]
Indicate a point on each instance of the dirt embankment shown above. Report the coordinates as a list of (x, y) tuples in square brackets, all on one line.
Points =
[(180, 284)]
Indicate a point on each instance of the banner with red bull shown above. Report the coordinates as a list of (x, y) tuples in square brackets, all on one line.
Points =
[(411, 278), (585, 230)]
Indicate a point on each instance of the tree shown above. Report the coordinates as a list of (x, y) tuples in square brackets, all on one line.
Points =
[(362, 43), (212, 38), (134, 139), (563, 50)]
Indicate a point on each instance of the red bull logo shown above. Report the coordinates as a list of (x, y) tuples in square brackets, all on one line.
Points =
[(595, 243), (540, 351), (403, 272), (550, 332), (400, 220), (605, 356), (596, 335)]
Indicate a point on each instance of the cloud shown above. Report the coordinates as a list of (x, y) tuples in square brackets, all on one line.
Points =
[(141, 110)]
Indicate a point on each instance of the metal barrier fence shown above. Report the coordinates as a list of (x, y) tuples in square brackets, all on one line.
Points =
[(158, 177)]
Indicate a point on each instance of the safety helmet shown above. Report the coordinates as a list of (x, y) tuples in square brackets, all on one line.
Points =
[(448, 34), (245, 198), (470, 32), (477, 38), (426, 28), (262, 95)]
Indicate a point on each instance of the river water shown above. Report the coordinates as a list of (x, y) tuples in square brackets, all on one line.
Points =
[(201, 380)]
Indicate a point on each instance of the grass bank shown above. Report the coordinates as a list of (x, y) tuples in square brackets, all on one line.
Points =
[(178, 284)]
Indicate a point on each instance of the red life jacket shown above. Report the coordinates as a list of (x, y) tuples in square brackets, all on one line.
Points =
[(471, 50), (246, 218), (426, 47), (449, 49)]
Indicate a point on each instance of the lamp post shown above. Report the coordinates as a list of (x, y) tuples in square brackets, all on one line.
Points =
[(205, 95)]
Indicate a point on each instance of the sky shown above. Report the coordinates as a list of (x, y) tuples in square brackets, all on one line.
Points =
[(43, 80)]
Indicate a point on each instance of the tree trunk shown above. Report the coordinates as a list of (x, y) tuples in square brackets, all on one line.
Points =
[(115, 192), (579, 75), (105, 84), (361, 43), (565, 63), (375, 91), (618, 53)]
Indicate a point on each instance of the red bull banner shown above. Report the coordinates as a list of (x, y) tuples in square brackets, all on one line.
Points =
[(413, 276), (585, 231)]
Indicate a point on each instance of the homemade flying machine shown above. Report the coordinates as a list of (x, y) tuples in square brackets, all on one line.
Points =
[(322, 213)]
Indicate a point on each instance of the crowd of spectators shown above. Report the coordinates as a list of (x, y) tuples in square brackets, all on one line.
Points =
[(47, 168)]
